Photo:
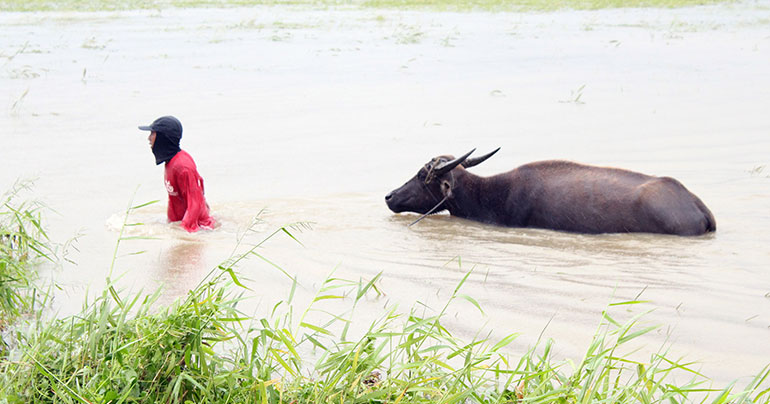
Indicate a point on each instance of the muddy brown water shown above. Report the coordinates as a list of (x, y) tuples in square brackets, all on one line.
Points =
[(313, 115)]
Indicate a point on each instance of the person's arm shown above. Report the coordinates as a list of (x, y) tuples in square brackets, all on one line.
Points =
[(192, 192)]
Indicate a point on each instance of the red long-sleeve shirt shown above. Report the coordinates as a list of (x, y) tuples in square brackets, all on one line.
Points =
[(185, 194)]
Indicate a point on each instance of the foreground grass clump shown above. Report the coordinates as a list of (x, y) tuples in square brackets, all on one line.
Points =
[(204, 349), (453, 5), (23, 243)]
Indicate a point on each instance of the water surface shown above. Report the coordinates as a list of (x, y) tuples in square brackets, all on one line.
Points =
[(304, 115)]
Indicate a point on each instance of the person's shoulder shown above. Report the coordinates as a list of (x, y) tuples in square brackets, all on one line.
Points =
[(183, 162), (182, 158)]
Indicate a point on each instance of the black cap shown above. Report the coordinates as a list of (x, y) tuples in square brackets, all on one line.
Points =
[(166, 125)]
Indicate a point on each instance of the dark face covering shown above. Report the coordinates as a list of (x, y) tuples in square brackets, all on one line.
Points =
[(164, 148), (168, 133)]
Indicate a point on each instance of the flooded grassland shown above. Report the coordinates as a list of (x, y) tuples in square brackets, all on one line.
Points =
[(314, 114)]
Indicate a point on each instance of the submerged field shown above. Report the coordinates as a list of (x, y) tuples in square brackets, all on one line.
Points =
[(456, 5)]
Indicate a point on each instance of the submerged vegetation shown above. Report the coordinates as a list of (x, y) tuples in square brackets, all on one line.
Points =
[(453, 5), (204, 349)]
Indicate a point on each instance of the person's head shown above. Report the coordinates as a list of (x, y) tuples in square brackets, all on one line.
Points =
[(164, 138)]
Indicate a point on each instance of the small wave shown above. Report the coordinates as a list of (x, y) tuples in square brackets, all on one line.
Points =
[(144, 225), (151, 222)]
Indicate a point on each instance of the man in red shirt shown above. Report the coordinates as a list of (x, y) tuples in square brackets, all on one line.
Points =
[(183, 183)]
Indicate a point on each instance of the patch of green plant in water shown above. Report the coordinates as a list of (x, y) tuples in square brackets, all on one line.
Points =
[(125, 349), (91, 5), (435, 5), (530, 5)]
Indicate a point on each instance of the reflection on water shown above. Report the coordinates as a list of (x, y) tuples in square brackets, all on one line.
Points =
[(537, 246), (180, 268)]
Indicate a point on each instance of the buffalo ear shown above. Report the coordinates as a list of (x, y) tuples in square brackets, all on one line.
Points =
[(478, 160), (446, 188)]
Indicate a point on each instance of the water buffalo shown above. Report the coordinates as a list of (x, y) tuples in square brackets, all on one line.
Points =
[(554, 194)]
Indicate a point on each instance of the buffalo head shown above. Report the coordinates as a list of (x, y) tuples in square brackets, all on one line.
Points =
[(431, 185)]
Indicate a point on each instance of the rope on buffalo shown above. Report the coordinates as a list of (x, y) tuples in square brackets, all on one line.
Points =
[(430, 211), (452, 176)]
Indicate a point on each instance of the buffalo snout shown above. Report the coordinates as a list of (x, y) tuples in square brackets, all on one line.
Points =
[(393, 202)]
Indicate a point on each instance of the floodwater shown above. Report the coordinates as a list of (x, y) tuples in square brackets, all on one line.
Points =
[(313, 115)]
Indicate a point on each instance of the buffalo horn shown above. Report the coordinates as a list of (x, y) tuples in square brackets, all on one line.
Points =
[(478, 160), (444, 168)]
